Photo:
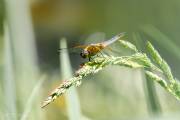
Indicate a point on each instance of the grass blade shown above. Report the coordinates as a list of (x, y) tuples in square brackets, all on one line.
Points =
[(31, 100), (74, 112), (24, 51), (9, 80)]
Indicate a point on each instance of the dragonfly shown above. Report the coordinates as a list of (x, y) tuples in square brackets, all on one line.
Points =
[(90, 50)]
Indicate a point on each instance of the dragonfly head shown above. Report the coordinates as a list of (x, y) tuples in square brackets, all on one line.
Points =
[(84, 54)]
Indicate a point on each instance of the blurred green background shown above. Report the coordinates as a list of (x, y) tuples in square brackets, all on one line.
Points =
[(31, 33)]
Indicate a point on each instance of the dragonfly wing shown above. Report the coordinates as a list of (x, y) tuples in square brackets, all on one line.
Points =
[(114, 50), (74, 49), (112, 40), (70, 50), (80, 46), (95, 38)]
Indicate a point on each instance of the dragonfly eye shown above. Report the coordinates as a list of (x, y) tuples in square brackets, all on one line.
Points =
[(84, 54)]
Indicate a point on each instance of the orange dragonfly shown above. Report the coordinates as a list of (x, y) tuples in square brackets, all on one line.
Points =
[(90, 50)]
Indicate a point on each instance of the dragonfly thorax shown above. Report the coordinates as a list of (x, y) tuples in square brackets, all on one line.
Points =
[(91, 50)]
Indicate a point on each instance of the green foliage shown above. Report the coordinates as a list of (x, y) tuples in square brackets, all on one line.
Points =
[(160, 62), (128, 45), (156, 69)]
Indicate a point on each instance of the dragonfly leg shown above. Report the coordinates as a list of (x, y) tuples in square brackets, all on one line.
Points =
[(90, 58), (101, 54)]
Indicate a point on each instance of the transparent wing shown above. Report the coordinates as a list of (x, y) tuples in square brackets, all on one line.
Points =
[(69, 50), (95, 38), (73, 50), (113, 39), (80, 46)]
